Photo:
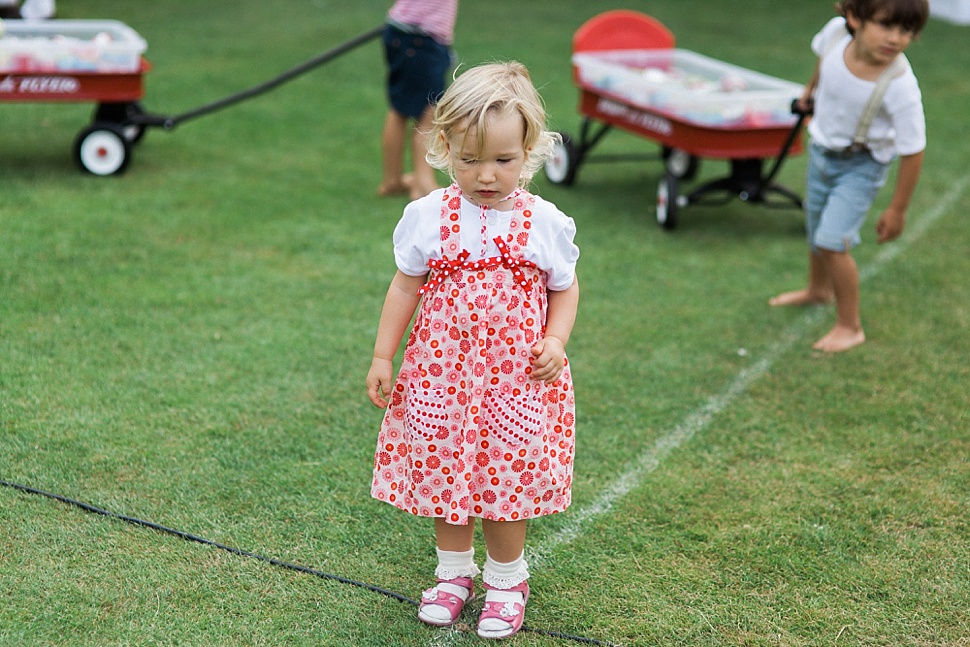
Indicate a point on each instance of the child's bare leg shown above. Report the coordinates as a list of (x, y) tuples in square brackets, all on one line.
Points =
[(392, 149), (819, 290), (505, 540), (847, 332), (423, 181), (454, 538)]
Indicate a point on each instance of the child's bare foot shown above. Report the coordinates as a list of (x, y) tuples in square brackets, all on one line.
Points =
[(420, 192), (391, 189), (840, 338), (421, 184), (801, 298), (401, 186)]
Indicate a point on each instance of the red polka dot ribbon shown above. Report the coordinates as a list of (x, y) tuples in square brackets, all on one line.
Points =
[(441, 268), (515, 265)]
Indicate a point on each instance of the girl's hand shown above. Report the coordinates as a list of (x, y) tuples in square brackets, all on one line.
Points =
[(550, 358), (379, 381)]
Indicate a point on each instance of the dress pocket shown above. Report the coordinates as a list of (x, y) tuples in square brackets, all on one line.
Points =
[(515, 420), (426, 413)]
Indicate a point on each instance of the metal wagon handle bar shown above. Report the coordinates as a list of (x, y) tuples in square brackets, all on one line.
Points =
[(796, 109)]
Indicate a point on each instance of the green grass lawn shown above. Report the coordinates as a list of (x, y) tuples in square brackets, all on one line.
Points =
[(187, 343)]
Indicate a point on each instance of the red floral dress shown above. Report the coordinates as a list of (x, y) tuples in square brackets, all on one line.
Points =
[(467, 432)]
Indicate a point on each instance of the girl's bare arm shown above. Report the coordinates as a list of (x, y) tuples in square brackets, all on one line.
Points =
[(399, 306), (550, 352)]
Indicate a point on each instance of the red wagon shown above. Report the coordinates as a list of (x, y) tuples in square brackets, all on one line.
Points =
[(96, 61), (101, 61), (631, 77)]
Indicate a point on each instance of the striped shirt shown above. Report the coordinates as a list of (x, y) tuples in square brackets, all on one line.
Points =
[(433, 17)]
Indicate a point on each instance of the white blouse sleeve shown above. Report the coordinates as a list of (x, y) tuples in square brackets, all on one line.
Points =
[(551, 245), (416, 237)]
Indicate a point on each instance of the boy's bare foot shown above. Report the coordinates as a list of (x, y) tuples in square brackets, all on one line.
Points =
[(800, 298), (840, 339)]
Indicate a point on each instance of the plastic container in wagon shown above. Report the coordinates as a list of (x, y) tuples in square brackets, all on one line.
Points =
[(48, 46), (688, 86)]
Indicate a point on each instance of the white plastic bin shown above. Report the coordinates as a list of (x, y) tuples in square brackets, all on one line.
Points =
[(689, 86), (102, 46)]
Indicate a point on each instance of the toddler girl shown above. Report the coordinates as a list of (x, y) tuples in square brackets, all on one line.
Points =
[(480, 420)]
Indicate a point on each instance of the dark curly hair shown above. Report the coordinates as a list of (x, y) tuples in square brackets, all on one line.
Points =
[(911, 15)]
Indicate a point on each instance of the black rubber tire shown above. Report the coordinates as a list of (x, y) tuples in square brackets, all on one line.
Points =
[(102, 149)]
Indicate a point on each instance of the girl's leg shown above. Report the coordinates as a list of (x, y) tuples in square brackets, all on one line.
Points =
[(505, 540), (442, 604), (505, 575), (847, 332), (454, 538)]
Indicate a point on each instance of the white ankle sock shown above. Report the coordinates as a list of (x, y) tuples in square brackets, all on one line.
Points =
[(502, 576), (505, 575), (452, 564)]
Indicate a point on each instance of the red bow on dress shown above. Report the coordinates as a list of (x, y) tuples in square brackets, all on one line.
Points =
[(443, 267), (515, 265)]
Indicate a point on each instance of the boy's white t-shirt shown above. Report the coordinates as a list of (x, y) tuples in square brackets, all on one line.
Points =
[(899, 127), (417, 237)]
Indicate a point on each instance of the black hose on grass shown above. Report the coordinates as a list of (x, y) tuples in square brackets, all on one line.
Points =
[(87, 507)]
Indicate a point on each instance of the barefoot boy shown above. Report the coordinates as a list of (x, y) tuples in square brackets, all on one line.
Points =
[(868, 110)]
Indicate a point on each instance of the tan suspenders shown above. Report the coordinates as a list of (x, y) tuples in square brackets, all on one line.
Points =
[(896, 68)]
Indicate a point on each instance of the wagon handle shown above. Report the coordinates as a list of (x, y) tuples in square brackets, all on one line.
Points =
[(792, 135), (169, 122), (796, 107)]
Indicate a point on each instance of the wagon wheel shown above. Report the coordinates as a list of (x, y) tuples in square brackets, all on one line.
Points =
[(680, 163), (667, 206), (102, 149), (562, 165), (122, 114)]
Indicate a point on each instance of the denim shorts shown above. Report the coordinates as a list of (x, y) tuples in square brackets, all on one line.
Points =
[(416, 68), (841, 188)]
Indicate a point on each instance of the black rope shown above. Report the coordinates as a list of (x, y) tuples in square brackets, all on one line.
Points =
[(87, 507), (170, 122)]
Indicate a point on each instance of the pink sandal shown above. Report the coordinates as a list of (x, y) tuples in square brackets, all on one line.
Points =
[(442, 604), (502, 614)]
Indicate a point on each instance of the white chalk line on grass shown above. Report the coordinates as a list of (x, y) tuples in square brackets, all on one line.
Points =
[(697, 420)]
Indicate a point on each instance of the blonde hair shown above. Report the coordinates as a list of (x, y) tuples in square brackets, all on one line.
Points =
[(484, 90)]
